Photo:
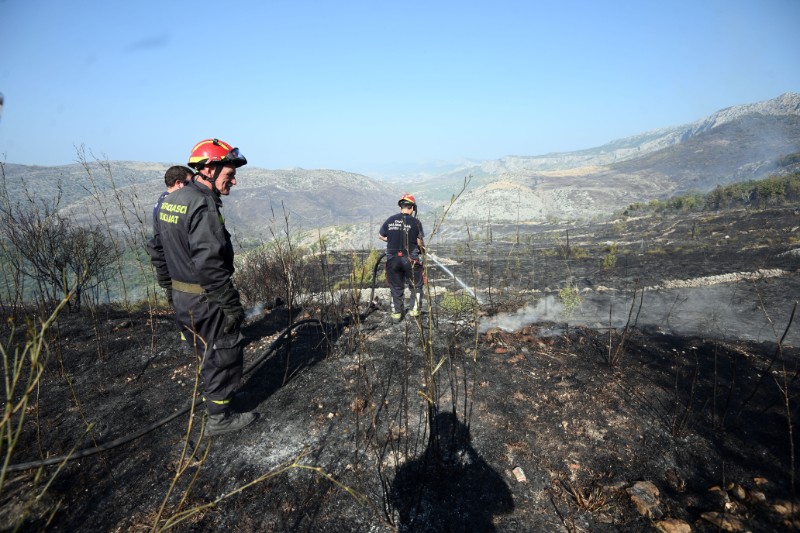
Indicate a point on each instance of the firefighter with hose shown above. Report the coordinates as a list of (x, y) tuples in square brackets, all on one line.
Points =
[(192, 253), (404, 239)]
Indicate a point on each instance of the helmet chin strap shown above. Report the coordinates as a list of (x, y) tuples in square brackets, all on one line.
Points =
[(217, 172)]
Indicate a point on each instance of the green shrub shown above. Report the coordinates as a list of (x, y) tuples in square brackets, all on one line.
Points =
[(570, 298), (361, 272), (656, 251), (579, 253), (610, 259), (457, 303)]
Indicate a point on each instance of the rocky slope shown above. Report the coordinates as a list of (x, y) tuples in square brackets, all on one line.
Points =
[(121, 194), (735, 144), (635, 146), (732, 145)]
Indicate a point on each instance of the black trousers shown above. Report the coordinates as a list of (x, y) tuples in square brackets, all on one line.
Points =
[(223, 354), (402, 272)]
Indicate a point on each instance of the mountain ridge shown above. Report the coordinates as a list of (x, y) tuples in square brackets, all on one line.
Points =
[(637, 145), (737, 143)]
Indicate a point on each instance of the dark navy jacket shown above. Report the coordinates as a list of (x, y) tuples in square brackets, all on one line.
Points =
[(402, 232), (190, 242)]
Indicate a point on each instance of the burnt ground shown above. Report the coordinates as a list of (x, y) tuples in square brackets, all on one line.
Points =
[(368, 425)]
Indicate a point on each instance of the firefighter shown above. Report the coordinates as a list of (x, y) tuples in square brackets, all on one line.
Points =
[(174, 178), (192, 253), (404, 239)]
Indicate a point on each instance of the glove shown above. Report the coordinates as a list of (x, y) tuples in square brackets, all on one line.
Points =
[(168, 294), (227, 297)]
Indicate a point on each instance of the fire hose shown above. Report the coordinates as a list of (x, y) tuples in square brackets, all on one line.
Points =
[(438, 263), (144, 431), (374, 280), (147, 429)]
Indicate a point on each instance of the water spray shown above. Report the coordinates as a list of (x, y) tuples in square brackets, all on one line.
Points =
[(450, 273)]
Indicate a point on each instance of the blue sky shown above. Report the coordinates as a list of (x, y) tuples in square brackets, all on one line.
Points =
[(376, 87)]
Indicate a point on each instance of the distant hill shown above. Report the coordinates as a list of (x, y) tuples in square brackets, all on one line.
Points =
[(258, 204), (311, 198), (736, 144), (733, 145)]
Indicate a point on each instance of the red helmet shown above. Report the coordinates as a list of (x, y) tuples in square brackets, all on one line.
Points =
[(215, 151), (407, 199)]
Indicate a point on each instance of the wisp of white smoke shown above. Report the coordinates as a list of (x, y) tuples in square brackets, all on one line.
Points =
[(547, 309)]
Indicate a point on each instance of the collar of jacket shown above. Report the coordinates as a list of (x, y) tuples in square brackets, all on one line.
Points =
[(205, 190)]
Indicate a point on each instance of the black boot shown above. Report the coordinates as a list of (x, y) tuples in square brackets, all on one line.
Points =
[(243, 401), (227, 422)]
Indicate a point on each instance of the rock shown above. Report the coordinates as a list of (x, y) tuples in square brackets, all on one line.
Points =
[(673, 525), (786, 509), (724, 521), (720, 497), (738, 491), (123, 324), (644, 495)]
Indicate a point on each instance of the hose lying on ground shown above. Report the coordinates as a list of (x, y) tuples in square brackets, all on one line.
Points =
[(374, 280), (144, 431)]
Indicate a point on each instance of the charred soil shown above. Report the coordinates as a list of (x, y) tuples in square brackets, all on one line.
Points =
[(429, 424)]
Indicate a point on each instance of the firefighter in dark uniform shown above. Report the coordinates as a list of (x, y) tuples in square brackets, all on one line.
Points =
[(175, 178), (404, 238), (193, 256)]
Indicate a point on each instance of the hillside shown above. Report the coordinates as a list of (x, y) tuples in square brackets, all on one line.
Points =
[(312, 199), (666, 398), (632, 147), (109, 193), (737, 144)]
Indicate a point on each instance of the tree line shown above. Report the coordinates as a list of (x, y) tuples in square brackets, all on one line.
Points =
[(773, 191)]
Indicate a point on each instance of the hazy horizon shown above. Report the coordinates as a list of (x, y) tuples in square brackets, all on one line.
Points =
[(373, 88)]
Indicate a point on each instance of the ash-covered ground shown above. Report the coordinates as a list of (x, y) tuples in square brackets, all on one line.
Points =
[(525, 414)]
